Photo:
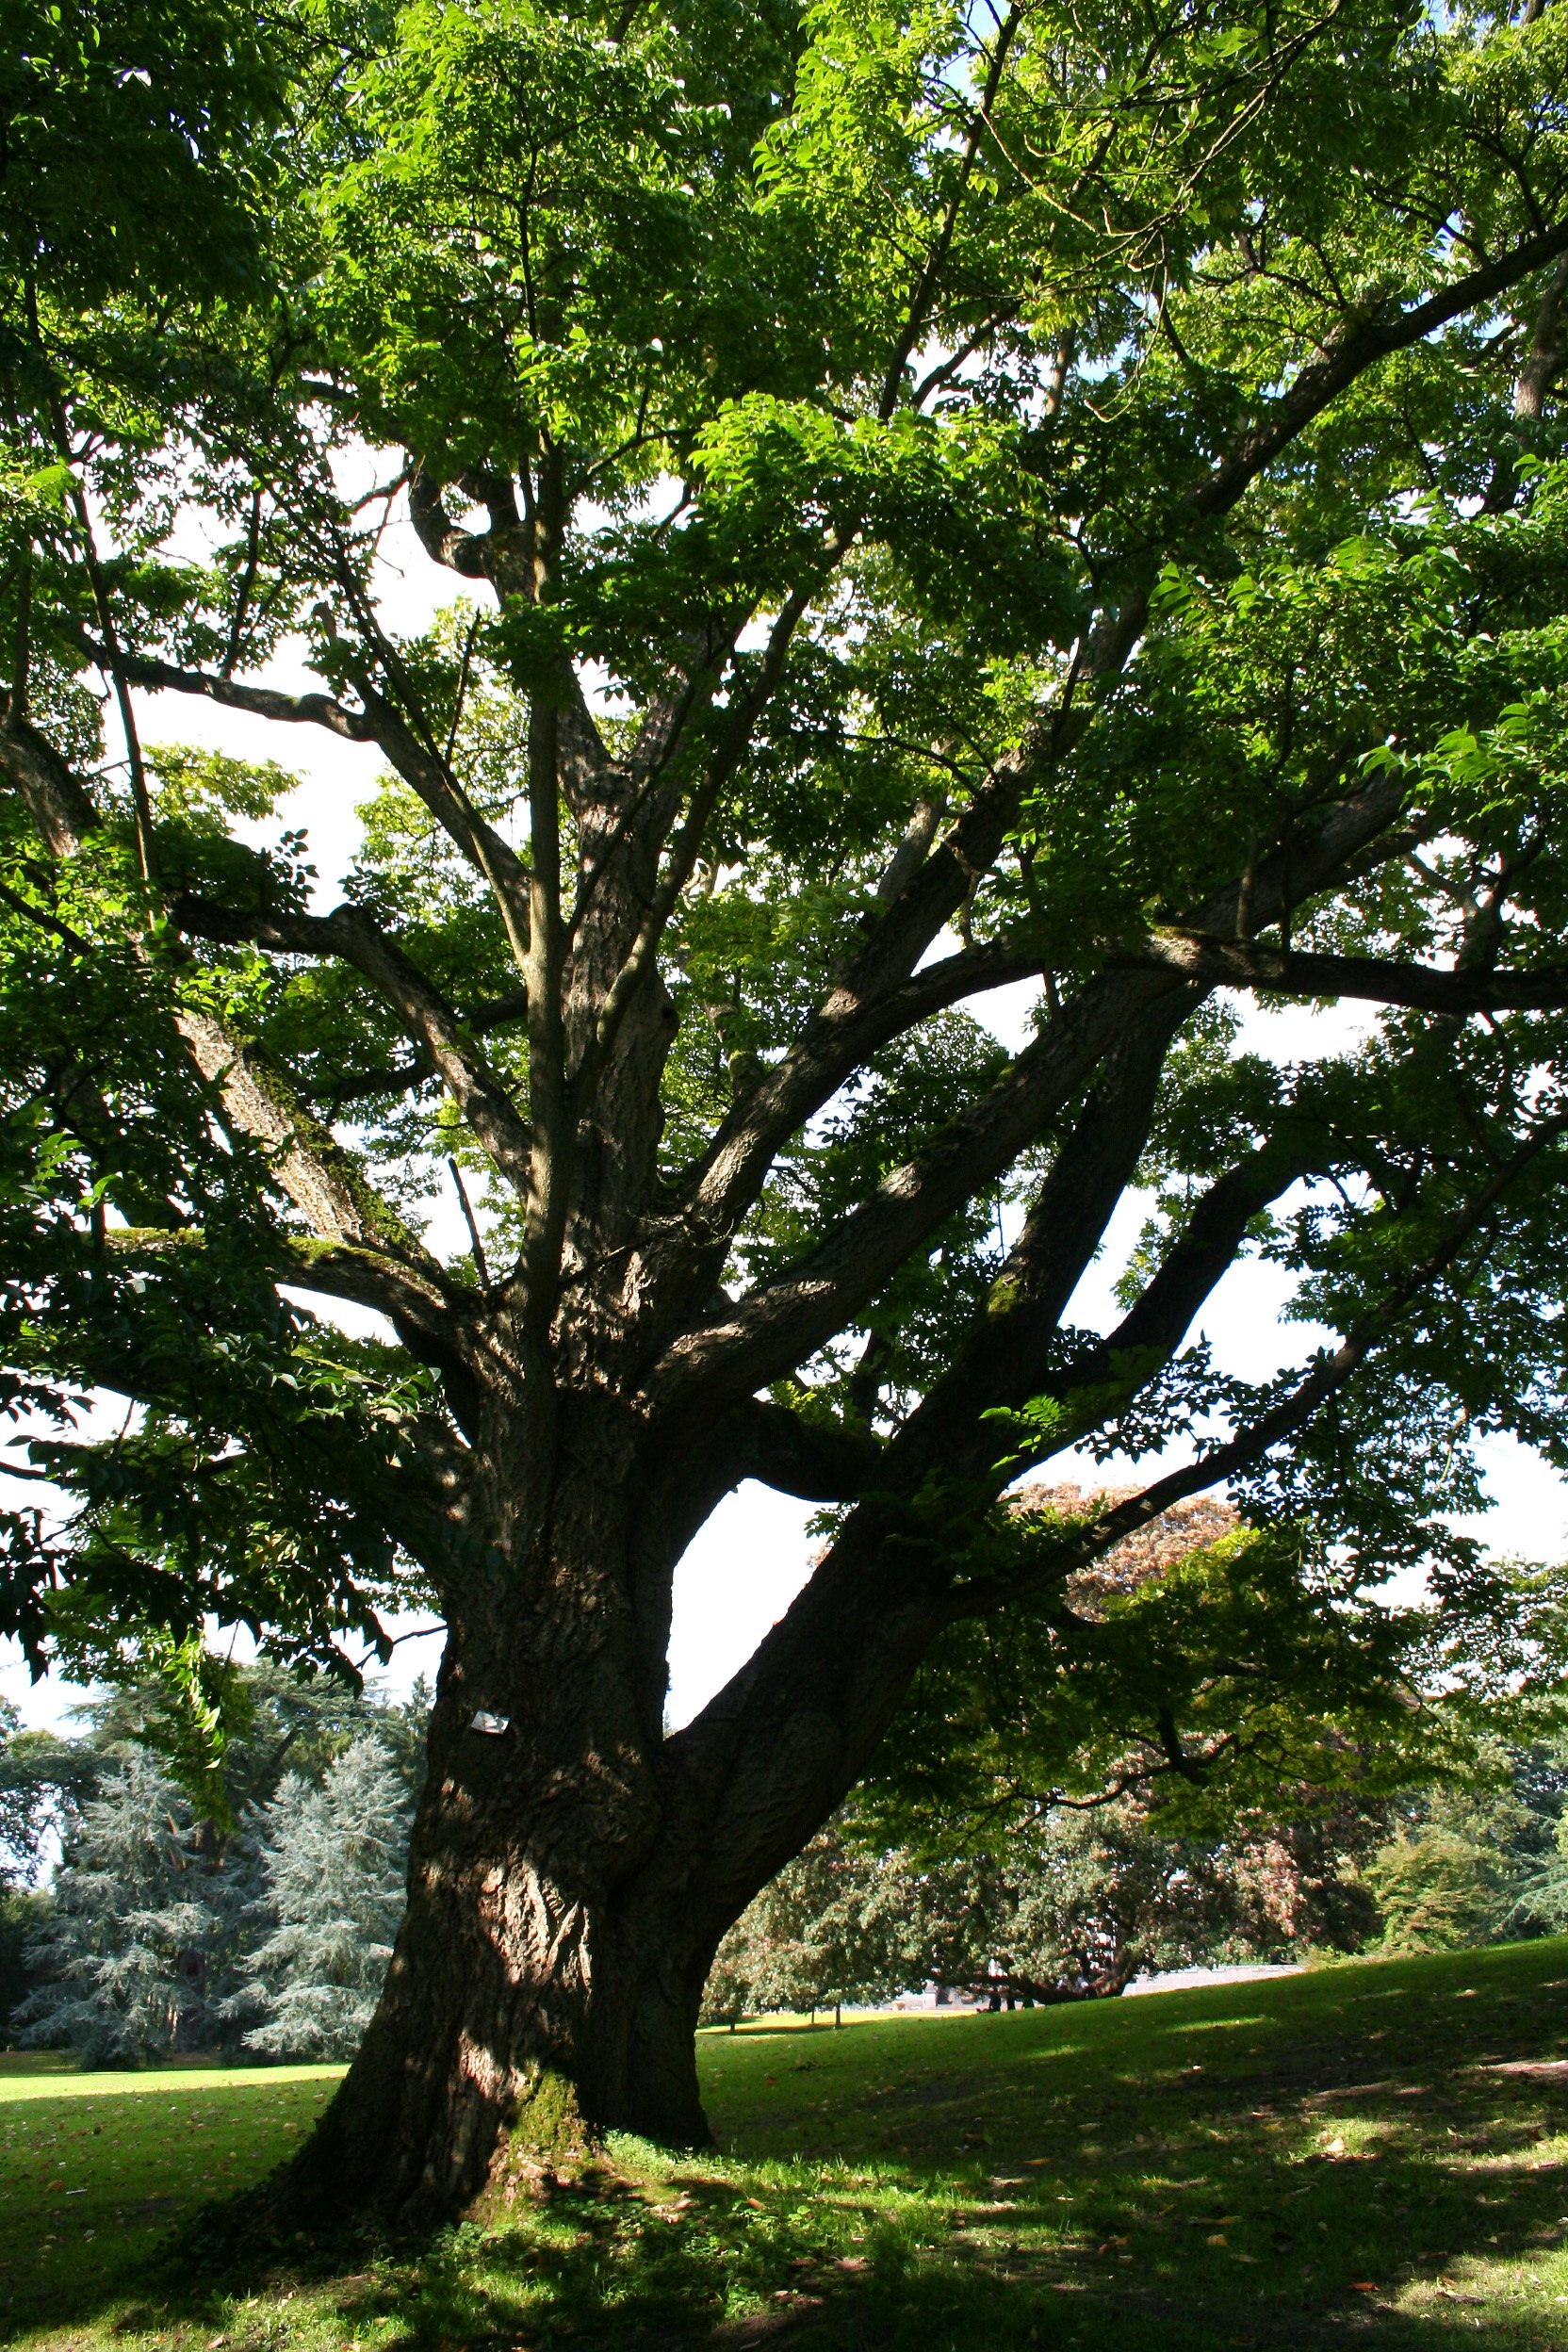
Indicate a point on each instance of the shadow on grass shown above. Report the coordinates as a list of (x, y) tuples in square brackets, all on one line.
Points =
[(609, 2262), (1376, 2156)]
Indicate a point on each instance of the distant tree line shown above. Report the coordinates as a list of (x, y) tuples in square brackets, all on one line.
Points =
[(1057, 1860), (1076, 1904), (263, 1924)]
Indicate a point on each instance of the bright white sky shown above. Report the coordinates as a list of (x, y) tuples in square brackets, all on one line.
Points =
[(749, 1560)]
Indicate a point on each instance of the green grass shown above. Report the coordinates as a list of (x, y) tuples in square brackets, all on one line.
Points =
[(1377, 2152)]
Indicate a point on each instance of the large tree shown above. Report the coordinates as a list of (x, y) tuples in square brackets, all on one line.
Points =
[(933, 498)]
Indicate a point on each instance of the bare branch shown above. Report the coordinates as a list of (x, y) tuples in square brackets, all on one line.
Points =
[(378, 722), (53, 794), (476, 1240), (820, 1461), (417, 1299), (550, 1147), (774, 1328), (850, 1263), (1005, 1358), (686, 847), (505, 557), (926, 288), (232, 693), (325, 1183), (488, 555)]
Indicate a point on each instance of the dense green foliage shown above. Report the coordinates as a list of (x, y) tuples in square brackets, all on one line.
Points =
[(1065, 1905), (333, 1865), (1071, 1907)]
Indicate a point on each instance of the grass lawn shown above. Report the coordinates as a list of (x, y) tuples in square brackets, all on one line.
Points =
[(1378, 2151)]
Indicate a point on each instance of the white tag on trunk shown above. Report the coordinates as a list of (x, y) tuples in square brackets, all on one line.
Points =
[(486, 1721)]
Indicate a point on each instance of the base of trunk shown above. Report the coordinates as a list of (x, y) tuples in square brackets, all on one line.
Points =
[(477, 2084)]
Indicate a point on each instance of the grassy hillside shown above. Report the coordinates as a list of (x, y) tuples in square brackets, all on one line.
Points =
[(1381, 2149)]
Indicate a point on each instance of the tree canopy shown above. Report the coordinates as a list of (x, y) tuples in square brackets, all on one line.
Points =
[(934, 498)]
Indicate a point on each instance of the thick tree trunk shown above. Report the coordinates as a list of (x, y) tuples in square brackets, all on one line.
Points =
[(572, 1869), (535, 1997), (549, 1969), (520, 2018)]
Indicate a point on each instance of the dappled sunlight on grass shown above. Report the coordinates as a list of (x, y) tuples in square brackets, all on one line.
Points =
[(1376, 2150)]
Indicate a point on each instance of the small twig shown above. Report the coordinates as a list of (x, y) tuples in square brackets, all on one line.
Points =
[(472, 1223), (22, 659), (462, 694)]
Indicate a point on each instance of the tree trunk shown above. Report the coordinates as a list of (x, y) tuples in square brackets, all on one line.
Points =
[(532, 2000), (572, 1869), (548, 1972)]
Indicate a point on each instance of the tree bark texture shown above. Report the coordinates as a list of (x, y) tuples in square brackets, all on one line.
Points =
[(573, 1868)]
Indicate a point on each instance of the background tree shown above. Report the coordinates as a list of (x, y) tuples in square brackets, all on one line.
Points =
[(333, 1864), (1542, 1899), (1076, 1907), (28, 1814), (935, 499), (40, 1778), (123, 1948), (1476, 1861), (283, 1728), (834, 1926), (1067, 1906), (1439, 1890)]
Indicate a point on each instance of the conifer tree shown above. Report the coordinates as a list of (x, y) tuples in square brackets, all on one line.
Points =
[(333, 1864), (1542, 1902), (125, 1948)]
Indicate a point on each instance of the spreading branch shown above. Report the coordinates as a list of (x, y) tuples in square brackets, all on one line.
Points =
[(1427, 988), (378, 722), (777, 1326), (350, 933), (1290, 1413)]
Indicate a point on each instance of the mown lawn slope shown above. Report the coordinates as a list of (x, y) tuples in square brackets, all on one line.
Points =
[(1377, 2151)]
